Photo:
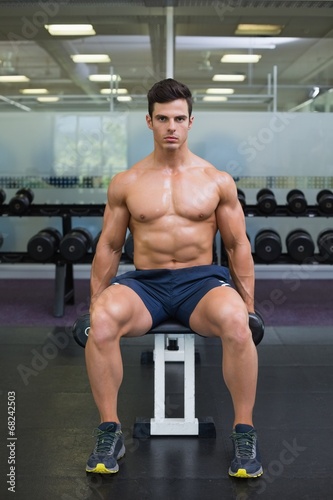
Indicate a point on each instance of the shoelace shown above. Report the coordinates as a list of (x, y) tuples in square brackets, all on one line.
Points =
[(245, 443), (105, 441)]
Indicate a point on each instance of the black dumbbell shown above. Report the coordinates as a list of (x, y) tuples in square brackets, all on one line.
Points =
[(241, 197), (75, 244), (81, 327), (257, 327), (43, 245), (325, 201), (268, 245), (296, 201), (2, 196), (129, 247), (266, 201), (21, 201), (325, 244), (300, 245)]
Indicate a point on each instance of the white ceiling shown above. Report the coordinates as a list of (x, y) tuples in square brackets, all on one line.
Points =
[(134, 34)]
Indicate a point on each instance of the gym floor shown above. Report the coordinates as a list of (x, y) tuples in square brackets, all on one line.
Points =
[(56, 415)]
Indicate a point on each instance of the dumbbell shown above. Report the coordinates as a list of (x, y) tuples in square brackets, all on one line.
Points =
[(2, 196), (75, 244), (21, 201), (300, 245), (81, 327), (129, 247), (325, 201), (266, 201), (241, 197), (43, 245), (325, 244), (257, 327), (268, 245), (296, 201)]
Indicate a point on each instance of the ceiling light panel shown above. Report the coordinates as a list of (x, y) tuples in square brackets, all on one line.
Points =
[(70, 29), (259, 29), (228, 78), (241, 58), (91, 58)]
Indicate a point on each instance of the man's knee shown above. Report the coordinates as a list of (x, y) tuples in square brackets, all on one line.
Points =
[(235, 328), (108, 319)]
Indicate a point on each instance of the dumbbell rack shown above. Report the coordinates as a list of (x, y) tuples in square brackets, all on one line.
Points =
[(311, 211), (64, 276), (64, 282)]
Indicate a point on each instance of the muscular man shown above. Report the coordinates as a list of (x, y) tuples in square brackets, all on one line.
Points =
[(173, 202)]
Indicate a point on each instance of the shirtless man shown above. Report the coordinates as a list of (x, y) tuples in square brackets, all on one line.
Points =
[(173, 202)]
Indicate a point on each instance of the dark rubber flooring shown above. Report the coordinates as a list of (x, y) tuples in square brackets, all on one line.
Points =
[(55, 416)]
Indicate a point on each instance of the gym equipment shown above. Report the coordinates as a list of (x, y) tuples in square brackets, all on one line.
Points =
[(75, 244), (2, 196), (241, 197), (43, 245), (325, 201), (129, 247), (182, 342), (266, 201), (325, 245), (300, 245), (268, 245), (257, 327), (296, 201), (80, 329), (21, 201)]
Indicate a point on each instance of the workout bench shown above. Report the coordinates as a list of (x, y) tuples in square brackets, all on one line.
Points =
[(169, 336), (173, 343)]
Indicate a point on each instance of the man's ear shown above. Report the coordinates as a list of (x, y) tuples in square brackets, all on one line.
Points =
[(190, 122), (149, 121)]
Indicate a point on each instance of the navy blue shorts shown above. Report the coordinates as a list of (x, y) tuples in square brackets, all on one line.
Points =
[(173, 293)]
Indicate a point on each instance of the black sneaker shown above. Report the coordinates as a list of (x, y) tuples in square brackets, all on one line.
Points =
[(108, 449), (247, 457)]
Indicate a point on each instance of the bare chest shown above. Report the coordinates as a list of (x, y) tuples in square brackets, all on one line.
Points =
[(180, 196)]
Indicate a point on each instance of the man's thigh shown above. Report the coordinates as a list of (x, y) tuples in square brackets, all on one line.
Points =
[(128, 308), (214, 309)]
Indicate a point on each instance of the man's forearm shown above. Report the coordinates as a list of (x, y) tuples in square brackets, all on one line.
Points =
[(104, 268), (242, 273)]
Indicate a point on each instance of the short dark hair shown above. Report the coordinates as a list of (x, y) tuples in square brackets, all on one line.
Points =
[(166, 91)]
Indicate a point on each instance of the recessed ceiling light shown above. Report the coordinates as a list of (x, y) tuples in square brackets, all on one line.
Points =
[(114, 91), (70, 29), (240, 58), (13, 78), (48, 99), (259, 29), (104, 78), (91, 58), (34, 91), (124, 98), (220, 91), (228, 78), (216, 98)]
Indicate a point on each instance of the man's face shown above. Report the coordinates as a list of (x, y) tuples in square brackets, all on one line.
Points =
[(170, 123)]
